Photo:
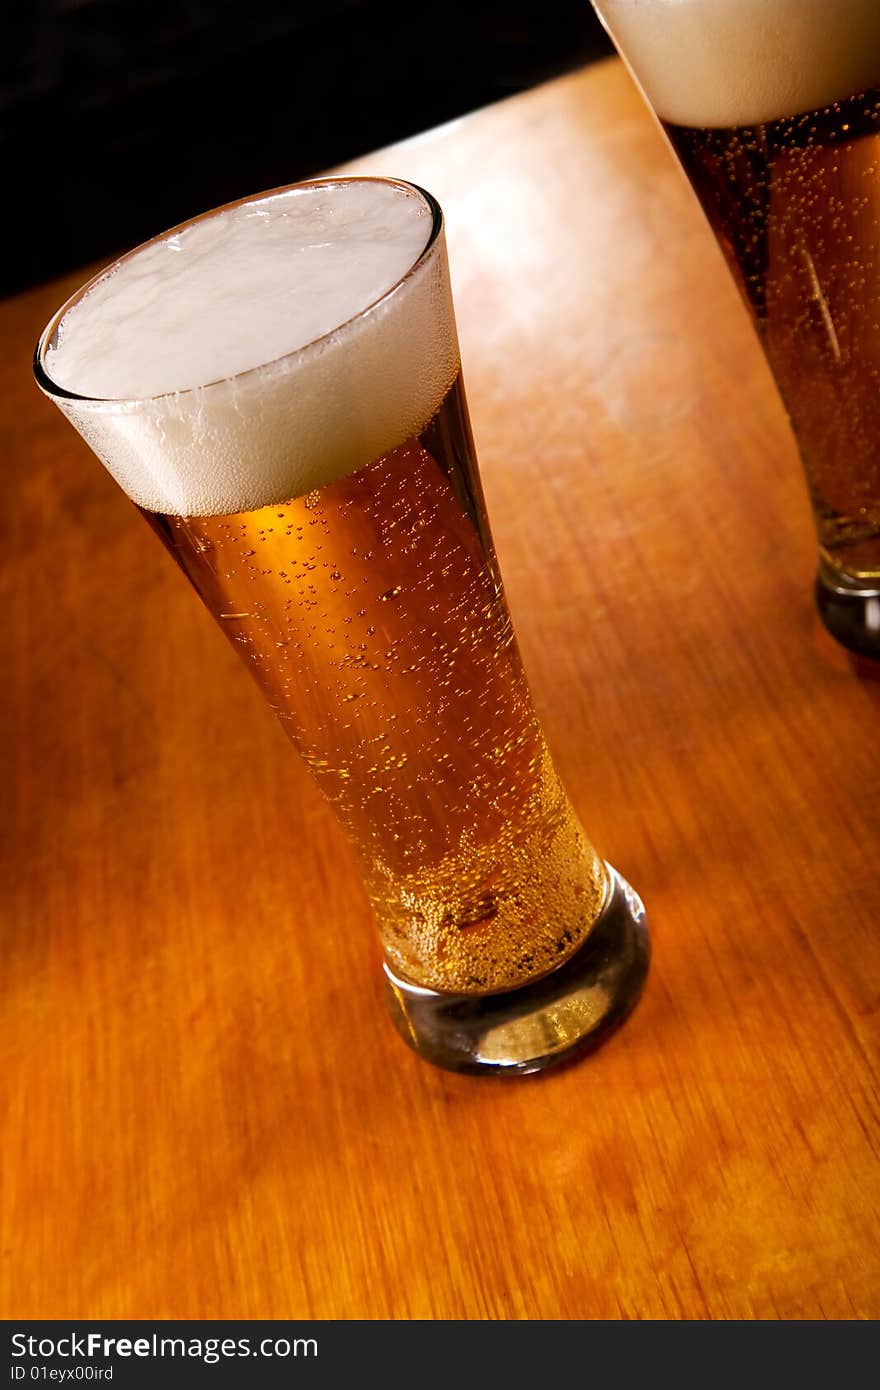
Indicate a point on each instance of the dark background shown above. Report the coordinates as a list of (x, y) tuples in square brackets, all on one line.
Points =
[(119, 118)]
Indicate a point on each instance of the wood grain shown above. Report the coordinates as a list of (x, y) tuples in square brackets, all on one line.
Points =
[(207, 1113)]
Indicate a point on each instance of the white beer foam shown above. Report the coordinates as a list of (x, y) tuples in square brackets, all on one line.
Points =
[(743, 62), (263, 351)]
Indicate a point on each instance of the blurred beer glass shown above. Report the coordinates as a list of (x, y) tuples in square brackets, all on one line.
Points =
[(276, 386), (773, 109)]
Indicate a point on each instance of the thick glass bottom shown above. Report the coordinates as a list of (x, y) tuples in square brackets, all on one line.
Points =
[(850, 610), (555, 1019)]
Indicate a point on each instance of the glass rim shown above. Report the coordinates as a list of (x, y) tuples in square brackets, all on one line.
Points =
[(56, 391)]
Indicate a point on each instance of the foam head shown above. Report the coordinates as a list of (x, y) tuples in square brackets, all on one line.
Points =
[(744, 62), (262, 350)]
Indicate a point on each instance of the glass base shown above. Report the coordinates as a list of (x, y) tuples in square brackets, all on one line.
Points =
[(555, 1019), (850, 610)]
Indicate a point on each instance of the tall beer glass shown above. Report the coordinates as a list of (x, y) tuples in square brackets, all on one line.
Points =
[(773, 108), (276, 386)]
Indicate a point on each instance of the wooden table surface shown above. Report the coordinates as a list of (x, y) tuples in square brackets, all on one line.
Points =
[(207, 1113)]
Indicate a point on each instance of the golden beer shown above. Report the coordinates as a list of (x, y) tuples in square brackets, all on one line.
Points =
[(372, 615), (277, 387)]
